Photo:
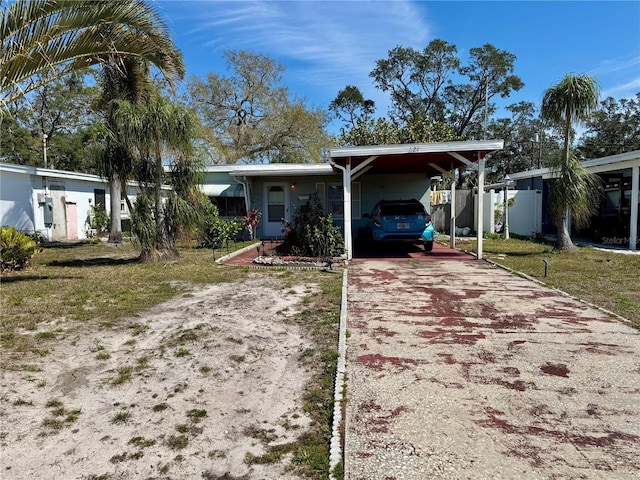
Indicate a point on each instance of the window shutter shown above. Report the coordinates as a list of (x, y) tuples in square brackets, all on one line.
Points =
[(322, 196)]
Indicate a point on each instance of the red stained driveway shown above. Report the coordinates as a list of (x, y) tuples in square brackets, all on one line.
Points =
[(460, 370)]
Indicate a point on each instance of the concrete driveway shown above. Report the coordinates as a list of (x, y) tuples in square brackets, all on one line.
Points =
[(460, 370)]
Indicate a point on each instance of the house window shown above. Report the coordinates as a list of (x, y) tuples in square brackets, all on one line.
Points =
[(99, 198), (229, 206), (335, 200), (335, 203)]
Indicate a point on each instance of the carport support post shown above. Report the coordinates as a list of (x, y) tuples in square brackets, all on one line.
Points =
[(348, 234), (452, 216), (633, 227), (480, 214)]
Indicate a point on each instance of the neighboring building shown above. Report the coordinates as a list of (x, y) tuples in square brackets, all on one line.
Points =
[(616, 222), (54, 202)]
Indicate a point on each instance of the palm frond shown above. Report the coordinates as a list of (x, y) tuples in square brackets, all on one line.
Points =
[(573, 99), (59, 36), (576, 190)]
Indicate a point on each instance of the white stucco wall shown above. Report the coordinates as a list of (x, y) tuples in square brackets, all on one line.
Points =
[(16, 208), (66, 192), (23, 189)]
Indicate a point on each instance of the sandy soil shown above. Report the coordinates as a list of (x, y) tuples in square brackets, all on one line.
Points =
[(212, 378)]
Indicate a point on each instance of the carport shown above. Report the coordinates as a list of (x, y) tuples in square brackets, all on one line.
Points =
[(416, 158)]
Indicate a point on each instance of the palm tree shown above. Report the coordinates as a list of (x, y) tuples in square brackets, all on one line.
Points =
[(151, 130), (46, 39), (128, 82), (572, 193), (56, 37)]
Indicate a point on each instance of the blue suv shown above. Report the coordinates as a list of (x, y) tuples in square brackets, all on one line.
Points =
[(396, 220)]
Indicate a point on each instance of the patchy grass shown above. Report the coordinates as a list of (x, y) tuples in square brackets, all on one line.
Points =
[(93, 282), (196, 415), (60, 416), (124, 375), (94, 287), (310, 451), (177, 442), (123, 416), (142, 442), (182, 352), (604, 278), (103, 356)]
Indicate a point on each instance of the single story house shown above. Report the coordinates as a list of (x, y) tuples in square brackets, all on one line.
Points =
[(59, 203), (56, 203), (348, 185), (616, 223)]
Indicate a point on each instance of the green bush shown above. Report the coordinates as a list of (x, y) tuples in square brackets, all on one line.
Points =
[(218, 232), (16, 249), (312, 233), (101, 218)]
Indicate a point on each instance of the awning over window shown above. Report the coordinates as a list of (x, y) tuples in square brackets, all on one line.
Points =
[(223, 190)]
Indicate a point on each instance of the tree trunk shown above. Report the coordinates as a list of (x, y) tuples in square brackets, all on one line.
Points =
[(158, 255), (115, 227), (563, 238)]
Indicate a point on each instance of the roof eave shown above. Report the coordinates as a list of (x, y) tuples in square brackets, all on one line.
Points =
[(406, 148)]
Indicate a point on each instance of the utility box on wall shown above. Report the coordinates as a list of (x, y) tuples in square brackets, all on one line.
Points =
[(48, 211)]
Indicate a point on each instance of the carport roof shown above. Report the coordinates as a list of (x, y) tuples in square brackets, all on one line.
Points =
[(430, 158)]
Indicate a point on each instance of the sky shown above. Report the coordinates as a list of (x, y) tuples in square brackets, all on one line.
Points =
[(327, 45)]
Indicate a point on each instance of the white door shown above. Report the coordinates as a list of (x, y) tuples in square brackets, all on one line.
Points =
[(276, 201)]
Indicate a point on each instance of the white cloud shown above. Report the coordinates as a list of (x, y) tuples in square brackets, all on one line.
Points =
[(326, 45), (624, 90), (615, 65)]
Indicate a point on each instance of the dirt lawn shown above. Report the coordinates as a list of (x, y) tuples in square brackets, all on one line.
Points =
[(184, 391)]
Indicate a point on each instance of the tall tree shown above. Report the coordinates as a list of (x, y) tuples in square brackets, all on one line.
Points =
[(489, 74), (252, 118), (61, 110), (523, 142), (572, 193), (18, 144), (159, 132), (422, 84), (46, 39), (415, 79), (351, 107), (126, 82), (613, 128), (381, 131)]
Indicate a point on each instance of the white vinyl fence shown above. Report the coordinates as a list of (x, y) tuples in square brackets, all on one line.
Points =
[(525, 215)]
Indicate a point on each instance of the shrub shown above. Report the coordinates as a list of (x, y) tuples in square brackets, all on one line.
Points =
[(101, 219), (16, 249), (251, 219), (218, 232), (312, 232)]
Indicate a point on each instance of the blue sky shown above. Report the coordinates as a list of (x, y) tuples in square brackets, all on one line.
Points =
[(327, 45)]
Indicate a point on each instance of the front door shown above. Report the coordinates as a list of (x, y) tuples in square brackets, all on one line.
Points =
[(72, 221), (276, 200)]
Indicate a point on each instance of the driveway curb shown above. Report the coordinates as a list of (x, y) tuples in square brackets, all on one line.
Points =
[(335, 449)]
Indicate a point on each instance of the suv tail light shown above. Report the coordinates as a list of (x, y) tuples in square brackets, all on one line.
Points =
[(376, 220)]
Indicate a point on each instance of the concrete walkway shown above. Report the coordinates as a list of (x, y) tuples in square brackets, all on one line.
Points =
[(460, 370)]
